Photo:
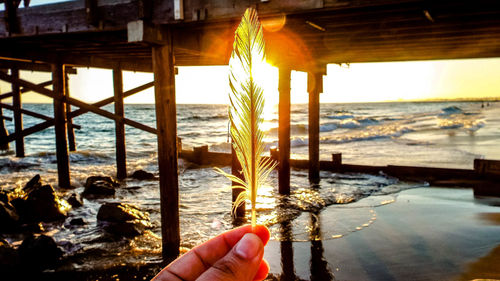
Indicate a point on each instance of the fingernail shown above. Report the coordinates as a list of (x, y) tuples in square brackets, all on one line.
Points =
[(248, 247)]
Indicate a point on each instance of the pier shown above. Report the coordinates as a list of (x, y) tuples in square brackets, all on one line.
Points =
[(158, 36)]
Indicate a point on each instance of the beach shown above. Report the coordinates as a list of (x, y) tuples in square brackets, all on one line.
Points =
[(427, 234)]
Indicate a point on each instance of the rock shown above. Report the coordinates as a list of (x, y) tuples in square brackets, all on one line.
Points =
[(39, 252), (123, 219), (75, 201), (78, 221), (98, 189), (112, 182), (9, 218), (120, 212), (127, 229), (45, 205), (4, 196), (97, 186), (33, 184), (143, 175), (9, 257)]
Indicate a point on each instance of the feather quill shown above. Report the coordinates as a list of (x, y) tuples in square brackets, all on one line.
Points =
[(246, 109)]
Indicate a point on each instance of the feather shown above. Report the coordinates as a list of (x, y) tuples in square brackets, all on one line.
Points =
[(246, 109)]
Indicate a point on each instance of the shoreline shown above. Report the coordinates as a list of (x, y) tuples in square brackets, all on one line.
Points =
[(428, 233)]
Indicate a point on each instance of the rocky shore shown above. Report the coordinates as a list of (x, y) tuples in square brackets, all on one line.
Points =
[(27, 249)]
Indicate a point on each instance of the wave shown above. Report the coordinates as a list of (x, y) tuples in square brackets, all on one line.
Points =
[(341, 116), (379, 133), (451, 110)]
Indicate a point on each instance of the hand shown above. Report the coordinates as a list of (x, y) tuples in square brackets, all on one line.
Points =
[(233, 255)]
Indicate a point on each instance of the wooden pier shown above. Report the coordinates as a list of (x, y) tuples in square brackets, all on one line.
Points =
[(156, 36)]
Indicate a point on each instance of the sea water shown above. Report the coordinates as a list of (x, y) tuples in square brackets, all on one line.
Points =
[(435, 134)]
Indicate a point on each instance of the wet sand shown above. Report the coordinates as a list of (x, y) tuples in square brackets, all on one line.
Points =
[(427, 234)]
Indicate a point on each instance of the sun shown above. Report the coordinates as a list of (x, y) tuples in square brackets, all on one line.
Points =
[(267, 77)]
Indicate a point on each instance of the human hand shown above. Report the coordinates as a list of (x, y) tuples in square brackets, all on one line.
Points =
[(233, 255)]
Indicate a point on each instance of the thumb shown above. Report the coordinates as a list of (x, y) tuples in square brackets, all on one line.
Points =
[(241, 263)]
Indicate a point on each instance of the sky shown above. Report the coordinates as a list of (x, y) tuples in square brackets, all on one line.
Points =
[(361, 82)]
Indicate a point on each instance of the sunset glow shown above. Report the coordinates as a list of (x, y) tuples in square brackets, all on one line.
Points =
[(361, 82)]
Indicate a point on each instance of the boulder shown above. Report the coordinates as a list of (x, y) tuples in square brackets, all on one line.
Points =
[(33, 184), (45, 205), (75, 200), (92, 179), (123, 219), (98, 186), (143, 175), (9, 218), (9, 257), (78, 221), (4, 196), (39, 252)]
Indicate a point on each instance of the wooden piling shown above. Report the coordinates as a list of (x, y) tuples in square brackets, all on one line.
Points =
[(69, 119), (60, 125), (239, 212), (3, 131), (18, 116), (284, 130), (166, 124), (314, 86), (121, 154)]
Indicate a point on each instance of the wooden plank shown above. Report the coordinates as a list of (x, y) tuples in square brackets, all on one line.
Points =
[(314, 85), (3, 132), (236, 190), (121, 154), (60, 126), (24, 90), (166, 123), (18, 117), (69, 120), (284, 130)]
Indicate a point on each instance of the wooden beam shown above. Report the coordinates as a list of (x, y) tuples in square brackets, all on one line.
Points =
[(284, 130), (11, 19), (60, 126), (24, 90), (314, 86), (3, 132), (18, 117), (75, 102), (166, 123), (69, 120), (121, 154), (78, 112), (239, 211)]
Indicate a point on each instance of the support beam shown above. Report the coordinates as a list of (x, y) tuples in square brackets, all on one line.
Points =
[(3, 131), (18, 117), (121, 154), (284, 130), (166, 124), (60, 126), (314, 87), (69, 120), (88, 107), (24, 90), (239, 212), (42, 126)]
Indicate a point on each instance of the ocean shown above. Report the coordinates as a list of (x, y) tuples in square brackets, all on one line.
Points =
[(433, 134)]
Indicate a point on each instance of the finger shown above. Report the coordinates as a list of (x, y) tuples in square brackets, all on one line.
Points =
[(195, 262), (262, 271), (241, 263)]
